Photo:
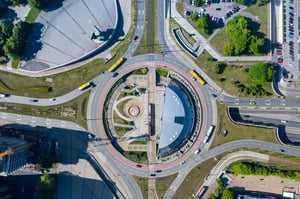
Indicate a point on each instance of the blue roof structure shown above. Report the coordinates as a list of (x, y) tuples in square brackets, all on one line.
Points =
[(177, 118)]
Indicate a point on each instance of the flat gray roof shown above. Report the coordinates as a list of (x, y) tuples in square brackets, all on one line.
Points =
[(177, 117), (63, 34)]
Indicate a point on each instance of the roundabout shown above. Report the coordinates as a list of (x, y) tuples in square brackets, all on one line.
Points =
[(154, 107)]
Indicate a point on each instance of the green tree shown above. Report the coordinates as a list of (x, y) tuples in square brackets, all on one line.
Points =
[(38, 4), (45, 187), (261, 72), (14, 2), (262, 2), (255, 44), (202, 22), (6, 27), (227, 194), (14, 45), (242, 2), (228, 50), (194, 17), (238, 31), (219, 67)]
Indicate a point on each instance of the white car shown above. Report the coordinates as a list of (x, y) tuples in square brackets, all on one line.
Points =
[(197, 151), (283, 121), (182, 162)]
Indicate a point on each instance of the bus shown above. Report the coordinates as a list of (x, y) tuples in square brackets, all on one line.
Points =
[(200, 192), (116, 65), (197, 77), (84, 86), (208, 134)]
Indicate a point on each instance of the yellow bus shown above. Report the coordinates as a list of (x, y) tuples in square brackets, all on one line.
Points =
[(116, 65), (197, 77), (84, 86)]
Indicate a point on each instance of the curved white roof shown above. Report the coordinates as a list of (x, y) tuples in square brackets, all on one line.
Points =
[(177, 117)]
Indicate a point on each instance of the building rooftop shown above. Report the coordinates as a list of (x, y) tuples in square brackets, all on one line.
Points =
[(177, 116)]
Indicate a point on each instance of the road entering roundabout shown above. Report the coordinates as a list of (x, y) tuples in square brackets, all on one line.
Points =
[(154, 107)]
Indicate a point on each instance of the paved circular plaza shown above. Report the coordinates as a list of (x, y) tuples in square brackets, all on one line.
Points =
[(153, 106)]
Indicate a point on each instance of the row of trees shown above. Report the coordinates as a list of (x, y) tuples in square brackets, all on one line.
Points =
[(249, 168), (38, 4), (243, 40)]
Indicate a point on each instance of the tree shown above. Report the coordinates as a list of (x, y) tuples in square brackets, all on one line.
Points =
[(219, 67), (202, 22), (228, 50), (262, 2), (238, 31), (227, 194), (255, 44), (242, 2), (194, 17), (45, 187), (6, 27), (14, 2), (261, 72), (14, 45), (38, 4)]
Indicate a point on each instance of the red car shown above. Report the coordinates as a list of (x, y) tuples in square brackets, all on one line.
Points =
[(278, 52), (139, 165), (134, 38), (279, 61)]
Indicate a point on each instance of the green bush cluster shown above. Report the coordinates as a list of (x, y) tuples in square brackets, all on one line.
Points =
[(249, 168)]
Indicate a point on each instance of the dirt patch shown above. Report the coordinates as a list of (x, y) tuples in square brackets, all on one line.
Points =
[(270, 184), (283, 162)]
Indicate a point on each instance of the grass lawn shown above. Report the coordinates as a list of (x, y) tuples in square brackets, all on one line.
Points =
[(162, 184), (143, 184), (74, 110), (136, 156), (180, 8), (238, 132), (220, 40), (59, 83), (173, 24), (230, 74), (195, 178), (262, 13), (15, 63), (149, 41), (120, 131)]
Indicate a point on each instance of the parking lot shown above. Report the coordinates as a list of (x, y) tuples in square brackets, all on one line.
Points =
[(287, 53), (217, 11)]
